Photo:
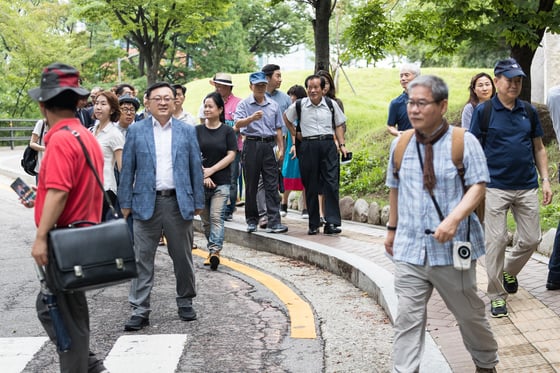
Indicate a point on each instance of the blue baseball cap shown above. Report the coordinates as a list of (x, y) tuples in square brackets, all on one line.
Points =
[(509, 68), (257, 78)]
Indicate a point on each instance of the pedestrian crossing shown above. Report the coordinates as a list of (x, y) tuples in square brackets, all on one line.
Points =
[(136, 353), (15, 353)]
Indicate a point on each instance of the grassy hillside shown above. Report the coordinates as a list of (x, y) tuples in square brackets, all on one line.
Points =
[(366, 109), (367, 115)]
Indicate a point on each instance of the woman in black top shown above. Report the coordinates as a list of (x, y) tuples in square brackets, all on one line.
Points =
[(218, 146)]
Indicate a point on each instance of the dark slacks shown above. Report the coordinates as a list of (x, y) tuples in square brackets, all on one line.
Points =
[(179, 234), (319, 167), (258, 159), (74, 311), (554, 262)]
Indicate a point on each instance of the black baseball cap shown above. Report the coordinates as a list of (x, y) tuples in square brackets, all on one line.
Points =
[(509, 68)]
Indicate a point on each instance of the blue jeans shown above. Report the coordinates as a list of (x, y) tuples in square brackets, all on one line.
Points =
[(213, 216)]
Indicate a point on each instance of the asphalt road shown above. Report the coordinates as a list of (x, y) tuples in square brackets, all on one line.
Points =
[(242, 325)]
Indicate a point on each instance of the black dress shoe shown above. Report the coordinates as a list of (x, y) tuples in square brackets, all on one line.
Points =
[(136, 323), (312, 231), (187, 313), (331, 229), (251, 228), (553, 286)]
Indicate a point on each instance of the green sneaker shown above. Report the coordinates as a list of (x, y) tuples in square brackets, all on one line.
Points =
[(510, 283), (498, 308)]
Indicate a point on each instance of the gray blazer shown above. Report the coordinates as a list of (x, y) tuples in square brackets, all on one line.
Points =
[(137, 187)]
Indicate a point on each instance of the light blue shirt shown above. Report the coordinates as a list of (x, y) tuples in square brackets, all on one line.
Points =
[(416, 210), (269, 122)]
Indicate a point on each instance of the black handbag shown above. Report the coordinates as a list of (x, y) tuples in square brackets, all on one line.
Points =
[(29, 159), (89, 257)]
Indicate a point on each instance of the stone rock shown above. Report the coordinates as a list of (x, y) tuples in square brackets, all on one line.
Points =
[(360, 211), (293, 200), (385, 215), (547, 242), (374, 214), (346, 207)]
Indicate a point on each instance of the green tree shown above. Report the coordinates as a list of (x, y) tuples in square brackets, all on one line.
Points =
[(274, 28), (517, 25), (371, 35), (225, 51), (153, 27), (322, 12), (34, 34)]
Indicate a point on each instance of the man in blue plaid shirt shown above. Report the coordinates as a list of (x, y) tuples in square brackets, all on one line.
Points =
[(420, 238)]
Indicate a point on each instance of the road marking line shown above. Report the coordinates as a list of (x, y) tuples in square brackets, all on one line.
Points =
[(301, 316), (15, 353), (146, 353)]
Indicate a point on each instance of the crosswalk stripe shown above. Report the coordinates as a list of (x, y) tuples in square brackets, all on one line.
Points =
[(15, 353), (146, 353)]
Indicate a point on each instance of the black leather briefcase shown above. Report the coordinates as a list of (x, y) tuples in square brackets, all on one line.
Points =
[(90, 257)]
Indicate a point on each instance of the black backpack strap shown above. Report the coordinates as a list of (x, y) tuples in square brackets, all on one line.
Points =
[(485, 123), (298, 114), (331, 108)]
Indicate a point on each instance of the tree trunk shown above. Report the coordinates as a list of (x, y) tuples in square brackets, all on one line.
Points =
[(321, 34), (524, 56)]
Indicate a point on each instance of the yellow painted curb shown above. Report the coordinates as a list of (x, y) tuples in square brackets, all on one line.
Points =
[(301, 316)]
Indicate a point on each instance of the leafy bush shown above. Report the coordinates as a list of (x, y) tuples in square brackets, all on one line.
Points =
[(364, 176)]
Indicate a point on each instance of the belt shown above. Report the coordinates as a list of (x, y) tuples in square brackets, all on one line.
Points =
[(260, 139), (320, 137), (166, 193)]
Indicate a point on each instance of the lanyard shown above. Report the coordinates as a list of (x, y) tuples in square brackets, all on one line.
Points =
[(438, 209)]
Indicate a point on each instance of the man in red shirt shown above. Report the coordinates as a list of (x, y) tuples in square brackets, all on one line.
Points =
[(67, 192)]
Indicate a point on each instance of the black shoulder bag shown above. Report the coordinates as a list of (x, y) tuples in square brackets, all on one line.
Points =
[(91, 256), (29, 158)]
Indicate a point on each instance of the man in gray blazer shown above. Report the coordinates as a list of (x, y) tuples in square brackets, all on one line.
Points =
[(161, 184)]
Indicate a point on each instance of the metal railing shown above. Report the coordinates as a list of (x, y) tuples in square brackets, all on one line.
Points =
[(14, 132)]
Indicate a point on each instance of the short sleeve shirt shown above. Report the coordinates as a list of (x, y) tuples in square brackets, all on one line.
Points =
[(214, 145), (39, 126), (416, 210), (398, 115), (111, 139), (64, 168), (509, 145), (267, 125), (230, 105), (316, 120)]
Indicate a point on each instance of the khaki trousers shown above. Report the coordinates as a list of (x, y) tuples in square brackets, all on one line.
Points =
[(414, 285), (524, 205)]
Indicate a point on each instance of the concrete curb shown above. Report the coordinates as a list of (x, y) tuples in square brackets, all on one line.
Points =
[(364, 274)]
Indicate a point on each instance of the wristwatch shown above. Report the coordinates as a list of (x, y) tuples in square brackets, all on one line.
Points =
[(391, 228)]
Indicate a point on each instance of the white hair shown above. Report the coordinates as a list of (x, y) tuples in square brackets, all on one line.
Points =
[(411, 68)]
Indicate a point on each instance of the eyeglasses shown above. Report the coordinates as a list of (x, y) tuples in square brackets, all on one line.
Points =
[(166, 99), (421, 104), (128, 110)]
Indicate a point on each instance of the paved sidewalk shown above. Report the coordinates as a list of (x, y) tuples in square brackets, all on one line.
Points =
[(529, 339)]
